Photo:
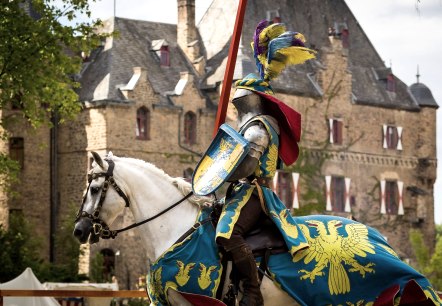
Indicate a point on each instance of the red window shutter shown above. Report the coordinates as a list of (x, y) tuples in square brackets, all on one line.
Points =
[(328, 206), (295, 179), (383, 197)]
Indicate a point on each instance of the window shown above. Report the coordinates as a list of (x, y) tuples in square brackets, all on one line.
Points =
[(338, 193), (190, 128), (392, 137), (335, 129), (286, 187), (161, 49), (143, 124), (391, 83), (391, 197), (273, 16), (164, 56), (16, 102), (17, 150), (345, 38)]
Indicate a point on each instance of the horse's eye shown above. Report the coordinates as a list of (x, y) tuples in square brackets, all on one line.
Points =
[(95, 190)]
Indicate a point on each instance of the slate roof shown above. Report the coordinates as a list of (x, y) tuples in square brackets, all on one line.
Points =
[(423, 95), (312, 18), (112, 65)]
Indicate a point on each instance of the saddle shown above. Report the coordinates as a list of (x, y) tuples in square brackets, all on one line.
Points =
[(266, 237), (263, 238)]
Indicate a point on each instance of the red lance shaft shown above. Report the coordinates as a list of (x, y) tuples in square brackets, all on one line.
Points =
[(230, 68)]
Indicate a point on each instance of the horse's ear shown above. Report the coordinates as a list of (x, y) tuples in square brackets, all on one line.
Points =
[(98, 159)]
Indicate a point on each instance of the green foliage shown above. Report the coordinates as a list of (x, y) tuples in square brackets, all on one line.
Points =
[(39, 57), (96, 272), (68, 248), (9, 170), (430, 266), (18, 248)]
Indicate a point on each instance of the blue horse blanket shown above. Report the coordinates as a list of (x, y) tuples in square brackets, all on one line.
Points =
[(346, 263)]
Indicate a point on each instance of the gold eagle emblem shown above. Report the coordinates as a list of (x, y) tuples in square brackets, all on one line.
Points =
[(182, 277), (331, 249)]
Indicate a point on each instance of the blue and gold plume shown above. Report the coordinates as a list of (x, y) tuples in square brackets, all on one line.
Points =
[(274, 48)]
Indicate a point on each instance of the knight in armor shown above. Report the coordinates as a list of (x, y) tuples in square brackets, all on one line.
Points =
[(272, 130)]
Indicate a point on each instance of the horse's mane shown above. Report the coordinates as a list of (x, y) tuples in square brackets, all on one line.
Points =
[(180, 183)]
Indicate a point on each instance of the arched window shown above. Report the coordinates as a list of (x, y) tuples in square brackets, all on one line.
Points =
[(190, 128), (108, 263), (143, 124)]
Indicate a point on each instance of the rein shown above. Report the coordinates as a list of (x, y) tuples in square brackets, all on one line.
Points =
[(100, 227)]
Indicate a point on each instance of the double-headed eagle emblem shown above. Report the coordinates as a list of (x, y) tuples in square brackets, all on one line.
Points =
[(335, 251)]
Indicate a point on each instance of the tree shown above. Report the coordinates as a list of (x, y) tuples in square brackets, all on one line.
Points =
[(429, 265), (18, 250), (40, 54), (19, 247)]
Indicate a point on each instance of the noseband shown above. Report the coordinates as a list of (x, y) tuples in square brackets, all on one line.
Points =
[(100, 227)]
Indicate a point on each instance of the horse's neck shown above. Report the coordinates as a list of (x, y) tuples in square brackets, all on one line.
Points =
[(150, 198)]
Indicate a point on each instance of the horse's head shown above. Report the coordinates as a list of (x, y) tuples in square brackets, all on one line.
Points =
[(103, 201)]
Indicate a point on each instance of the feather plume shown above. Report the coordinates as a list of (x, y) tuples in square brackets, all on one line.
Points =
[(287, 49), (274, 49)]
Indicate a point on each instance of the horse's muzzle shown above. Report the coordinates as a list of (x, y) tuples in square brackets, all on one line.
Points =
[(83, 231)]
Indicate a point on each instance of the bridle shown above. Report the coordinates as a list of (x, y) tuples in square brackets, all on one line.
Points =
[(100, 228)]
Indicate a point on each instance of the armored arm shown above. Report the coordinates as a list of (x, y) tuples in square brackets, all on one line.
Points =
[(258, 137)]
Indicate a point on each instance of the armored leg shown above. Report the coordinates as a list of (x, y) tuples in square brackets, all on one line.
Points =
[(246, 266), (242, 254)]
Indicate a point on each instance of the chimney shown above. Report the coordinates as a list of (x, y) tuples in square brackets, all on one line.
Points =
[(187, 35)]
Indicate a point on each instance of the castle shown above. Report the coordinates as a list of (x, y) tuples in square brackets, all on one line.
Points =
[(151, 92)]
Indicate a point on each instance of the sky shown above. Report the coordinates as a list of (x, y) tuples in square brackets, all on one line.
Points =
[(406, 34)]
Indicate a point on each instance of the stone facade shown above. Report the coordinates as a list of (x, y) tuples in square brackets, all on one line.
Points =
[(125, 76)]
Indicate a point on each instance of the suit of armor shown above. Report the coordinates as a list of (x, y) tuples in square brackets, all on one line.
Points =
[(262, 133), (273, 130)]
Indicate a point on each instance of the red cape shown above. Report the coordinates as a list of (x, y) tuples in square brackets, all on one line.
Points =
[(289, 125)]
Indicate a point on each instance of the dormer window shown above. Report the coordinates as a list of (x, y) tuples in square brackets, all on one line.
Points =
[(273, 16), (164, 56), (391, 83), (345, 38), (161, 48)]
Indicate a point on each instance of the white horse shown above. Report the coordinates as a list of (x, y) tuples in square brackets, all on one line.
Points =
[(151, 191), (117, 182)]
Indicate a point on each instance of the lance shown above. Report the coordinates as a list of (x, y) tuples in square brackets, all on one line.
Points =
[(230, 68)]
